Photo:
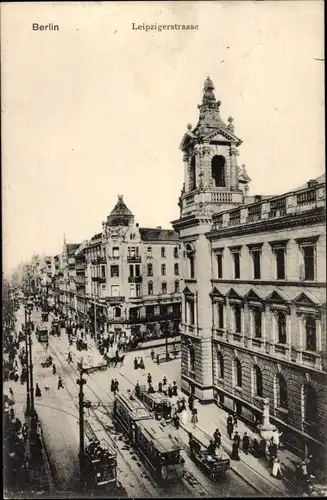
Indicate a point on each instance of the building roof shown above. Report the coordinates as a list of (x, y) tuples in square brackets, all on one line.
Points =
[(158, 234), (321, 178), (120, 215)]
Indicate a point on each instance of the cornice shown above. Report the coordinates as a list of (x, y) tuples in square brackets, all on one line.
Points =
[(302, 284), (265, 226)]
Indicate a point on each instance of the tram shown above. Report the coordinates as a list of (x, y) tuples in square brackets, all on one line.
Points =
[(157, 403), (153, 442), (42, 333), (100, 460)]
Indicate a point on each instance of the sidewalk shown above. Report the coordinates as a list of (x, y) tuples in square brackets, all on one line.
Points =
[(256, 470)]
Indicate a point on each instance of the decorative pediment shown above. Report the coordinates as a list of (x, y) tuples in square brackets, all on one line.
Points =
[(222, 135), (234, 294), (254, 295), (187, 291), (306, 299), (278, 297), (188, 138), (216, 294)]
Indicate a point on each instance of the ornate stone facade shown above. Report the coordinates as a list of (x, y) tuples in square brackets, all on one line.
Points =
[(253, 306)]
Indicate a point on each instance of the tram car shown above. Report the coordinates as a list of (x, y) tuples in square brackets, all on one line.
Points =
[(55, 327), (153, 442), (42, 333), (44, 315), (100, 460), (158, 404)]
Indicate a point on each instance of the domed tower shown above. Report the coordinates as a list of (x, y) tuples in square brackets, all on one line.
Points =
[(213, 182)]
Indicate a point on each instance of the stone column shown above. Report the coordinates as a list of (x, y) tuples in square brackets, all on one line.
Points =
[(186, 160), (205, 160), (233, 167)]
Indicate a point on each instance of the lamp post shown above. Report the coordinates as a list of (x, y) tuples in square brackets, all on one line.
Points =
[(81, 382), (266, 429), (28, 402)]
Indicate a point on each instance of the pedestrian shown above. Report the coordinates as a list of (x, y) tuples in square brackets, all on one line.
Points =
[(229, 419), (245, 443), (217, 438), (60, 384), (112, 385), (230, 429), (212, 448), (276, 437), (237, 438), (54, 369), (136, 365), (175, 389), (116, 386), (37, 391), (11, 392), (152, 354), (235, 448), (191, 402), (151, 389), (158, 359), (176, 421), (141, 365), (276, 468), (164, 380), (273, 450), (194, 418), (137, 389), (149, 378), (160, 387), (69, 358), (170, 391)]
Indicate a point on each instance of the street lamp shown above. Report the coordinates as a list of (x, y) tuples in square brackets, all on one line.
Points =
[(266, 429)]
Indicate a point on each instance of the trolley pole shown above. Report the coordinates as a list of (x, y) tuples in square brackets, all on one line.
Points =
[(81, 382), (28, 403)]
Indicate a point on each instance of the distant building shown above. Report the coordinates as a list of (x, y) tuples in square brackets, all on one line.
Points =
[(133, 277), (254, 297)]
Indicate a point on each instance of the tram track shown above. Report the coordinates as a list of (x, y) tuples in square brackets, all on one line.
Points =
[(144, 488), (189, 484)]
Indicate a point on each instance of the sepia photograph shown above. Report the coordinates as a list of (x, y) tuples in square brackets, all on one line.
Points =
[(164, 249)]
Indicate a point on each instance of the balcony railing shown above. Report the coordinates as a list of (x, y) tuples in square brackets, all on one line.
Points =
[(99, 279), (135, 279), (134, 259), (281, 206)]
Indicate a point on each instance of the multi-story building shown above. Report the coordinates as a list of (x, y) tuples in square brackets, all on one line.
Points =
[(253, 306), (132, 276)]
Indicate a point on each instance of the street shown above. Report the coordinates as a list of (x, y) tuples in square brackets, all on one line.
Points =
[(58, 414)]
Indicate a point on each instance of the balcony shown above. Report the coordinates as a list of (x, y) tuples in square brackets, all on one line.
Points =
[(311, 359), (115, 300), (309, 198), (135, 259), (99, 279), (135, 279)]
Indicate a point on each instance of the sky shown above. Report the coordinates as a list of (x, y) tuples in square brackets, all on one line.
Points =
[(98, 109)]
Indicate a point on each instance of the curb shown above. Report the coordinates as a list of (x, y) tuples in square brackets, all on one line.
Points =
[(46, 461)]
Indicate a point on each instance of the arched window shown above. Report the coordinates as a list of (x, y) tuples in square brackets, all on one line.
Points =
[(257, 381), (311, 334), (117, 312), (115, 252), (192, 174), (238, 373), (281, 392), (150, 288), (220, 365), (310, 404), (281, 327), (218, 170)]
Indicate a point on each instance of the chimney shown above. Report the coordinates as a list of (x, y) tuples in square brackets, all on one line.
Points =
[(158, 227), (312, 183)]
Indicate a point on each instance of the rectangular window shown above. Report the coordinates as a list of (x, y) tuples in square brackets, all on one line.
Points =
[(163, 269), (114, 271), (176, 252), (280, 263), (115, 291), (149, 250), (131, 252), (309, 262), (176, 269), (150, 288), (257, 323), (132, 290), (164, 287), (191, 266), (190, 311), (220, 265), (236, 257), (256, 264), (138, 290), (131, 271), (137, 270), (220, 315), (176, 286), (150, 270), (238, 318), (163, 252)]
